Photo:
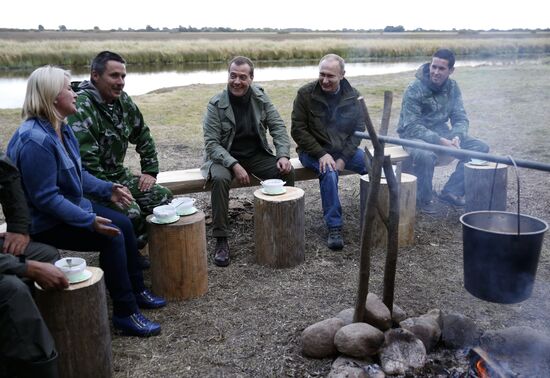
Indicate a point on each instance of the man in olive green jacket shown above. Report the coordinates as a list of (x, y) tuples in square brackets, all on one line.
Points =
[(236, 145)]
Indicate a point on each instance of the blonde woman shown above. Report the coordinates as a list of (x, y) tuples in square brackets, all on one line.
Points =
[(46, 152)]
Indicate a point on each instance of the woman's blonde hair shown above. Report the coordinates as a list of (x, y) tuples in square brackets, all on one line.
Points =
[(43, 86)]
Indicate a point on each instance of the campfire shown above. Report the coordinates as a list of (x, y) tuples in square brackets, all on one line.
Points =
[(483, 366)]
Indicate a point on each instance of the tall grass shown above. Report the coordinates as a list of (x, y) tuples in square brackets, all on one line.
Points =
[(73, 53)]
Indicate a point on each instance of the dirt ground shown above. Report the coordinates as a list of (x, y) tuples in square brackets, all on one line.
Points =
[(249, 322)]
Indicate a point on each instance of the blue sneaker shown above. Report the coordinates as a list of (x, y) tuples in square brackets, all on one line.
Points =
[(146, 299), (136, 325)]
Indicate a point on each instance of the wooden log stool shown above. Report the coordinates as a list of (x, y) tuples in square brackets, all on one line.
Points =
[(407, 210), (478, 183), (78, 321), (279, 228), (179, 267)]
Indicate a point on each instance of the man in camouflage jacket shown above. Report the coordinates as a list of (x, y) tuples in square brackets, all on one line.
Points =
[(429, 102), (106, 121)]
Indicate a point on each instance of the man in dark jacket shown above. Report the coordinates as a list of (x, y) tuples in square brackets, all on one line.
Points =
[(325, 115), (26, 346), (429, 103), (236, 145)]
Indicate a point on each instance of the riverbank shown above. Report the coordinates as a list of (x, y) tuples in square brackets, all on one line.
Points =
[(32, 48), (249, 323)]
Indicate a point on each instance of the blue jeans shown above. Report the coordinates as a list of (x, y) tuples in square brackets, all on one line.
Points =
[(328, 184), (117, 255)]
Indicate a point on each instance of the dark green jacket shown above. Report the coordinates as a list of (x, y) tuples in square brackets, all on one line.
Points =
[(104, 134), (14, 206), (426, 111), (316, 133), (219, 128)]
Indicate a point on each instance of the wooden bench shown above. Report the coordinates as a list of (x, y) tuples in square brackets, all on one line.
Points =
[(187, 181)]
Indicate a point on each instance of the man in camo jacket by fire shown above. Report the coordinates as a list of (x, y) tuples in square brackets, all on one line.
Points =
[(108, 120)]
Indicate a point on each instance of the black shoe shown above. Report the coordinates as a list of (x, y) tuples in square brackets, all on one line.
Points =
[(335, 240), (428, 207), (452, 199), (136, 325), (221, 257), (143, 262), (146, 299)]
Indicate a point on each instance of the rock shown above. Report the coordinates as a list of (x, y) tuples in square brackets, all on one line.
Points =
[(318, 338), (346, 315), (401, 351), (358, 340), (374, 371), (459, 331), (377, 314), (426, 327), (398, 315), (347, 367)]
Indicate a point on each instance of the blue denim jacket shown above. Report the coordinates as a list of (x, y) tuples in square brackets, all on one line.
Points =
[(52, 175)]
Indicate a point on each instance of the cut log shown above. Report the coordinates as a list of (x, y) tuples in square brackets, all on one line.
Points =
[(78, 321), (478, 183), (279, 228), (178, 257), (407, 210)]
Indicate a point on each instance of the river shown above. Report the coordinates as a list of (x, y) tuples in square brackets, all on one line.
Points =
[(13, 87)]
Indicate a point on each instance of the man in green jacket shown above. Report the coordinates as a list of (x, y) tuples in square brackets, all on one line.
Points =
[(236, 145), (26, 346), (325, 115), (432, 111), (108, 120)]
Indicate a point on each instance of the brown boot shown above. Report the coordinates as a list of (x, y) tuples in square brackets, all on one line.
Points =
[(221, 258)]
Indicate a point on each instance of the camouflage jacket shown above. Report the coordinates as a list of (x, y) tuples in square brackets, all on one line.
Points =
[(425, 110), (104, 132), (12, 198)]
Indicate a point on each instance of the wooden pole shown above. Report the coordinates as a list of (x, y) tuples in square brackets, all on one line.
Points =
[(370, 209)]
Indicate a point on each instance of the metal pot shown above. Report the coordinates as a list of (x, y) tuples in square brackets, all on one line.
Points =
[(501, 254)]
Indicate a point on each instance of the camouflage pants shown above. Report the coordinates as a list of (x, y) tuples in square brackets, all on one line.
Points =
[(143, 204)]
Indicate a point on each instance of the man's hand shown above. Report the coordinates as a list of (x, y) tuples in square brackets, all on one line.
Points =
[(121, 196), (340, 165), (146, 182), (326, 163), (14, 243), (48, 276), (454, 143), (241, 174), (102, 226), (284, 166)]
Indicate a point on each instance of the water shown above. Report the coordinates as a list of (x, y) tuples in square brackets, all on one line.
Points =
[(12, 89)]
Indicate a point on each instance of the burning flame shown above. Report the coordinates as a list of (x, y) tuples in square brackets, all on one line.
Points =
[(481, 370)]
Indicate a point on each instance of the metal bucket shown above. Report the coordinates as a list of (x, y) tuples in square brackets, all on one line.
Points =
[(501, 254)]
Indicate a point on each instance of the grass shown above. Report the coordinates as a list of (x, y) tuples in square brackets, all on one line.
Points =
[(19, 52)]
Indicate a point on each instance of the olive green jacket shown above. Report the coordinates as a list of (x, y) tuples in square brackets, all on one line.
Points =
[(316, 132), (219, 128), (104, 133)]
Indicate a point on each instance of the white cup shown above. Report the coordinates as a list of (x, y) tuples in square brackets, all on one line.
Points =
[(273, 185)]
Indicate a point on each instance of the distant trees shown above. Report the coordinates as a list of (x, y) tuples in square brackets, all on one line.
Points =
[(96, 28), (62, 28), (40, 28), (394, 29)]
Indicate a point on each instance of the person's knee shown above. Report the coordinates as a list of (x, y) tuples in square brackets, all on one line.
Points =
[(329, 177), (423, 158), (13, 289)]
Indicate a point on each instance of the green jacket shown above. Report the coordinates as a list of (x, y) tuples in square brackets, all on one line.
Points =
[(104, 134), (426, 110), (14, 206), (316, 132), (219, 128)]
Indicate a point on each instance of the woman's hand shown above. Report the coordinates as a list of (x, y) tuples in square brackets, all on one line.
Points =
[(121, 196), (102, 226)]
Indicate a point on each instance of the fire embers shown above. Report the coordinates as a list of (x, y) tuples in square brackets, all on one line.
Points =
[(483, 366)]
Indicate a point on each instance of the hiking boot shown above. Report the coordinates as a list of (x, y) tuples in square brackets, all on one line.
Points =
[(452, 199), (427, 207), (136, 325), (221, 257), (143, 262), (335, 240)]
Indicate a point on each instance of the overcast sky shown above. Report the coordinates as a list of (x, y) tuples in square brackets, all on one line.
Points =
[(319, 14)]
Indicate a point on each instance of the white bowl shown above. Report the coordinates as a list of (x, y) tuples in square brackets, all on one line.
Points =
[(183, 205), (73, 267), (164, 213), (273, 185)]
